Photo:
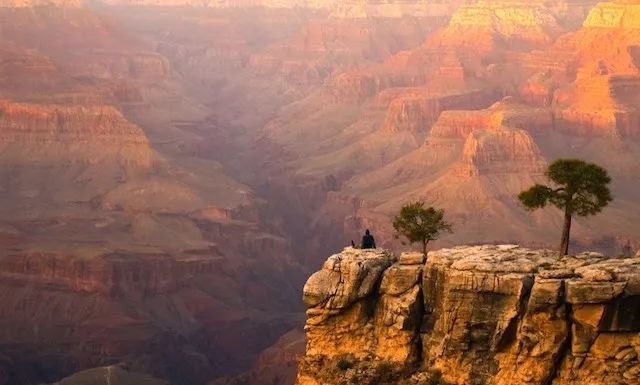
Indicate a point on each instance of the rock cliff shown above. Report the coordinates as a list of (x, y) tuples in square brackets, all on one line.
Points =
[(355, 109), (473, 315)]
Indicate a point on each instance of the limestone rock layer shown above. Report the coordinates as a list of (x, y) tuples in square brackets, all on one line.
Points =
[(473, 315)]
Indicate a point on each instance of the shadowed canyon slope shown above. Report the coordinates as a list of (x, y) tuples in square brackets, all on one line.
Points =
[(120, 242), (170, 171)]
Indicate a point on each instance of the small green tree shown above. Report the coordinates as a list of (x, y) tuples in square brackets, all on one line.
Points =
[(420, 224), (580, 188)]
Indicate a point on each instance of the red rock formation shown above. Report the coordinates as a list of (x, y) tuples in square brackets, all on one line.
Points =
[(78, 133), (40, 3), (500, 151), (227, 3), (111, 251), (364, 111), (326, 46), (603, 98), (153, 312), (486, 25), (417, 112)]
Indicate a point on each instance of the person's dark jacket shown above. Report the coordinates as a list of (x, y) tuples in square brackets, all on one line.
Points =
[(368, 242)]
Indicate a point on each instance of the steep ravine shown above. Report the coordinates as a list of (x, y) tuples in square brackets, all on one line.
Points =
[(473, 316)]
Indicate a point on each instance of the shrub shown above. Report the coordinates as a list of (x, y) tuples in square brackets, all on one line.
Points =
[(420, 224), (344, 364), (436, 378), (384, 371)]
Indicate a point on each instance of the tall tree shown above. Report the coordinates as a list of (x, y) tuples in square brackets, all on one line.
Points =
[(420, 224), (579, 188)]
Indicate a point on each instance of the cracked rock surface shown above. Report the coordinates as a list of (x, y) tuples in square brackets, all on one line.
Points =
[(478, 315)]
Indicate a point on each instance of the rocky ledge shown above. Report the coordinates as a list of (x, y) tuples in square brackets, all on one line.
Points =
[(473, 315)]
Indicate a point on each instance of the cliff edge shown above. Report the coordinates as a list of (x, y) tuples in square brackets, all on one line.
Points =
[(472, 315)]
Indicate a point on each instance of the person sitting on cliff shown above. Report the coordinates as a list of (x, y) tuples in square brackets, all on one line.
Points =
[(368, 242)]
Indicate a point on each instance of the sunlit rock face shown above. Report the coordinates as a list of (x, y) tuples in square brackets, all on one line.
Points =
[(478, 315), (358, 9), (521, 22), (603, 98), (433, 123), (606, 41), (615, 14), (329, 293)]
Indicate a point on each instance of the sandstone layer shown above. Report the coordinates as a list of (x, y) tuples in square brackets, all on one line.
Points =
[(473, 315), (40, 3), (470, 118), (227, 3), (120, 242), (331, 113)]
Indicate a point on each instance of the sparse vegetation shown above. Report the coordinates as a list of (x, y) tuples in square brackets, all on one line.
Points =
[(420, 224), (436, 378), (579, 188), (344, 364), (384, 371), (433, 377)]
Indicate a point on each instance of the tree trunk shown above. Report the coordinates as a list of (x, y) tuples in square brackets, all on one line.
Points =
[(424, 247), (566, 231)]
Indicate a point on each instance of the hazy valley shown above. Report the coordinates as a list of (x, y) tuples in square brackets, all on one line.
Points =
[(172, 171)]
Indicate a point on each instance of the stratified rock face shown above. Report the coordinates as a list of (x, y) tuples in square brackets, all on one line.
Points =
[(615, 14), (492, 22), (479, 315), (62, 132), (364, 304), (360, 9), (39, 3), (228, 3)]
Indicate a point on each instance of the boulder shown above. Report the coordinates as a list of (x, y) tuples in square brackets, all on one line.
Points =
[(346, 278)]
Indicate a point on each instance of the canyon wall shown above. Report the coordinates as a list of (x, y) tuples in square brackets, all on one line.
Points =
[(40, 3), (120, 243), (193, 154), (473, 315), (319, 4), (185, 320), (469, 118)]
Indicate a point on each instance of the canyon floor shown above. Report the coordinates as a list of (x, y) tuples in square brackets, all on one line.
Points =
[(172, 171)]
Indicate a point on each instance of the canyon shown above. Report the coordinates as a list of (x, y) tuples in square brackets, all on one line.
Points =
[(172, 171)]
